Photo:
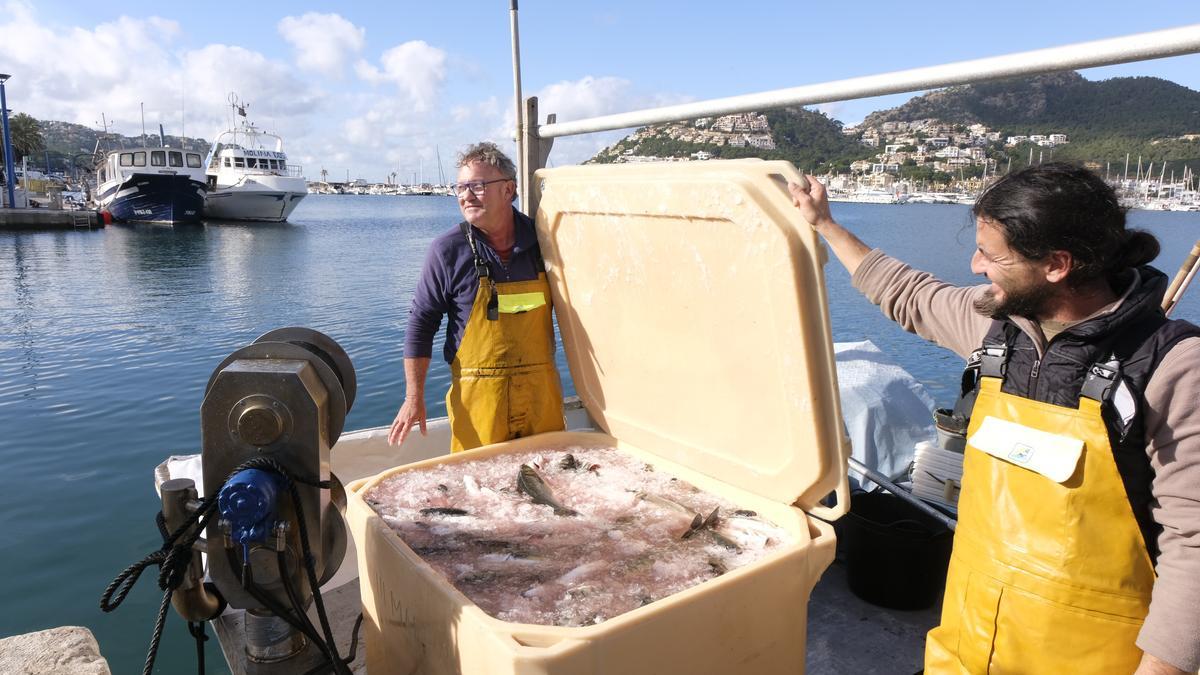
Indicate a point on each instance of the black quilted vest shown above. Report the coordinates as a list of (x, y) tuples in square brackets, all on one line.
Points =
[(1089, 359)]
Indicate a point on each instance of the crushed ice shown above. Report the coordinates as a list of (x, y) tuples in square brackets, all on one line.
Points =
[(507, 539)]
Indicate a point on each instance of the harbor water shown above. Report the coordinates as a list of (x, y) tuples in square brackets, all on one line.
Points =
[(108, 338)]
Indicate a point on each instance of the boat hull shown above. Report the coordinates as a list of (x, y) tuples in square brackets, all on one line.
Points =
[(270, 201), (154, 198)]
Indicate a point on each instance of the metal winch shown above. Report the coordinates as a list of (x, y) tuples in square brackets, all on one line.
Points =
[(272, 411)]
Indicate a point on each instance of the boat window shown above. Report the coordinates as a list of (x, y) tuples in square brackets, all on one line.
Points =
[(139, 158), (251, 163), (103, 173), (239, 162), (126, 159), (158, 158), (193, 160), (228, 162), (279, 165), (176, 158)]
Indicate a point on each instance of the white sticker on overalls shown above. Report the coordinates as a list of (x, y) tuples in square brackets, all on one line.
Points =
[(1051, 455)]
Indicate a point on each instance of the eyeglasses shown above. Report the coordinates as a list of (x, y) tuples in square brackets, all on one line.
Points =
[(476, 186)]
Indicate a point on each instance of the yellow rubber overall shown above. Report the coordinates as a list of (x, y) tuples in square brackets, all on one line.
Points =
[(1046, 577), (504, 382)]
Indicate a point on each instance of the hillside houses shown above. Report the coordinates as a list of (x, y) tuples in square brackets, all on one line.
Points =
[(744, 130), (945, 147)]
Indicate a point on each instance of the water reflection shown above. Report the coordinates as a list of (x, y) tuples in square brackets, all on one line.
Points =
[(23, 321)]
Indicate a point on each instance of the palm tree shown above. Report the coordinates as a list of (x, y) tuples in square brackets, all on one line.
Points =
[(26, 136)]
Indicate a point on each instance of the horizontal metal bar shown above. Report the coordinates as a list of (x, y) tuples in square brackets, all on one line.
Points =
[(1138, 47)]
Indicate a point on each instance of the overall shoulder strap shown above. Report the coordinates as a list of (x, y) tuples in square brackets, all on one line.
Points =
[(989, 360), (481, 269)]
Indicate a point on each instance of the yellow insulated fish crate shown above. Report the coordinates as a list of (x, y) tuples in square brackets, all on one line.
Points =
[(691, 301)]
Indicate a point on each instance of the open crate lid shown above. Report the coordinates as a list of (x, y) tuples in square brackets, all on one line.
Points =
[(691, 301)]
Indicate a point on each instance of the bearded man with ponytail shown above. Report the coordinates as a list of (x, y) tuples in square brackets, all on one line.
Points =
[(1078, 541)]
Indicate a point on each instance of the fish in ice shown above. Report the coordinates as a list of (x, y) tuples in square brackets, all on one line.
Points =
[(697, 520), (531, 483), (570, 463), (749, 533), (443, 511)]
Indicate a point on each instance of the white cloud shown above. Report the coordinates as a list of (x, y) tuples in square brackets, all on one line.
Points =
[(324, 43), (215, 71), (115, 68), (76, 74), (417, 68), (584, 98)]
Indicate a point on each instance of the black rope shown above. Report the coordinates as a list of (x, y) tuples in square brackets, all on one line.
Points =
[(174, 557), (277, 609), (196, 628), (327, 646), (353, 649)]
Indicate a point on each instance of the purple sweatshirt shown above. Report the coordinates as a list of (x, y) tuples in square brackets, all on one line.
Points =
[(448, 284)]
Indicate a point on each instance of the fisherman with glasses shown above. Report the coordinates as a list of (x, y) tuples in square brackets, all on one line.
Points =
[(487, 276)]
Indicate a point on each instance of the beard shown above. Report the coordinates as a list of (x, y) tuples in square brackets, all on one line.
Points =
[(1026, 301)]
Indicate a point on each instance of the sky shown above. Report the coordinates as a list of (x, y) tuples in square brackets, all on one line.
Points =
[(368, 89)]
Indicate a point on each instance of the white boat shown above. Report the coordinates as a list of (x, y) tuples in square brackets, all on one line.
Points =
[(151, 185), (249, 177), (868, 196)]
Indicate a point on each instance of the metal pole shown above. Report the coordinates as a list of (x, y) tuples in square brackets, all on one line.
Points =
[(900, 492), (1138, 47), (9, 172), (523, 186), (1182, 278)]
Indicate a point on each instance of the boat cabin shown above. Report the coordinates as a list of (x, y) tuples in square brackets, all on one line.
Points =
[(230, 162), (121, 163)]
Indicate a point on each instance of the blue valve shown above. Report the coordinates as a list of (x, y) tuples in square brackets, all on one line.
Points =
[(248, 503)]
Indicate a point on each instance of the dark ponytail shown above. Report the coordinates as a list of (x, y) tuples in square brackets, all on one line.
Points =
[(1138, 248)]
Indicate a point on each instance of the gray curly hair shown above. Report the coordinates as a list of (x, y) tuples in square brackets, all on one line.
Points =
[(487, 153)]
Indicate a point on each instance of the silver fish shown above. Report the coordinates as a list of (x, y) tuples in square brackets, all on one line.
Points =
[(443, 511), (531, 483)]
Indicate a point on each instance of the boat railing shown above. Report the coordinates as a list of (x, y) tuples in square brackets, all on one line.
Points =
[(295, 170), (536, 139)]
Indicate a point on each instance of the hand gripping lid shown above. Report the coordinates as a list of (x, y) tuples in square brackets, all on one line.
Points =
[(691, 300)]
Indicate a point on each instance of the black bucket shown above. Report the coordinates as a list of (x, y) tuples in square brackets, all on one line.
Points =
[(896, 555)]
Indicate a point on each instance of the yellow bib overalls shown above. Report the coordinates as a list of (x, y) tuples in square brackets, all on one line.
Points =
[(1049, 574), (504, 383)]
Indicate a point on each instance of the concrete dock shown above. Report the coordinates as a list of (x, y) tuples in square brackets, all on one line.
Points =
[(69, 650), (48, 219)]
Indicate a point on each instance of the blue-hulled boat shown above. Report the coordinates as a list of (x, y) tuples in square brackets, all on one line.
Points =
[(151, 185)]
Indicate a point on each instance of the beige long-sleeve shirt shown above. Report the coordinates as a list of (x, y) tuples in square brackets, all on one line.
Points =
[(944, 314)]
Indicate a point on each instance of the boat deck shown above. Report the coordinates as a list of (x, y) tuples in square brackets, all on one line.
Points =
[(845, 634)]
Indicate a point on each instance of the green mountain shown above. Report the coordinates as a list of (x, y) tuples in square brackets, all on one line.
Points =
[(1132, 107), (1148, 117), (71, 146)]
